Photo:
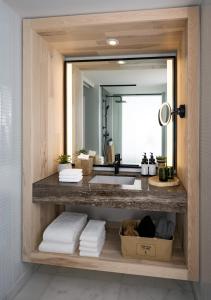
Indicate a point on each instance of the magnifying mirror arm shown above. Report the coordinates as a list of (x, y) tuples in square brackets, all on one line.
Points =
[(179, 111)]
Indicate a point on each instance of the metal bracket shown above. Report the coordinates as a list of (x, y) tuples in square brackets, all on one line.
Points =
[(181, 110)]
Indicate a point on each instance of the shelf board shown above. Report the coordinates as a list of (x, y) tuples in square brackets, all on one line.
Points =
[(111, 260)]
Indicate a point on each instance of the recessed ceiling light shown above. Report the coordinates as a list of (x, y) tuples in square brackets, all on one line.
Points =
[(112, 42), (121, 62)]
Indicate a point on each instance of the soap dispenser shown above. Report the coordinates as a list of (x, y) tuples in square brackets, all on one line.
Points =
[(152, 165), (144, 165)]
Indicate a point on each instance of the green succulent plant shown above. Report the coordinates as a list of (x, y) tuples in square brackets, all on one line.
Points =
[(64, 159)]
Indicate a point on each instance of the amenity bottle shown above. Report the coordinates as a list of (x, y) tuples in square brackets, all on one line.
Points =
[(144, 165), (152, 165)]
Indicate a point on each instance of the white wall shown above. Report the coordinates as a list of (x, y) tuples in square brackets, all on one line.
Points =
[(35, 8), (12, 271)]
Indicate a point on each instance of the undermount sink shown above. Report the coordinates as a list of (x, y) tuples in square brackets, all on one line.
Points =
[(118, 180)]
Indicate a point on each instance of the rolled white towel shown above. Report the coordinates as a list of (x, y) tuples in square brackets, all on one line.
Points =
[(92, 153), (66, 248), (70, 172), (66, 228), (83, 156), (93, 231), (95, 249), (93, 245)]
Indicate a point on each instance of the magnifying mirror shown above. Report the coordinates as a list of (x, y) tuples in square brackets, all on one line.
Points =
[(165, 112)]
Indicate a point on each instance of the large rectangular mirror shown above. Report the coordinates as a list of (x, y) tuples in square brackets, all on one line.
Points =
[(112, 107)]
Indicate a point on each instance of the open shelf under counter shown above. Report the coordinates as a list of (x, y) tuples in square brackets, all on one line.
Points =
[(142, 196), (111, 260)]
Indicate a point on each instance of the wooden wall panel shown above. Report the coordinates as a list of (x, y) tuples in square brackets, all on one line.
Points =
[(47, 107), (188, 136), (182, 166), (55, 110), (78, 107), (85, 35), (27, 146), (193, 84), (42, 129)]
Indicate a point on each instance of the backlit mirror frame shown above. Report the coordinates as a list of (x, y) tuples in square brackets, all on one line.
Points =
[(68, 125)]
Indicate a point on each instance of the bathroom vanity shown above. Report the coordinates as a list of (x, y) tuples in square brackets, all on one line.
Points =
[(46, 42), (136, 195)]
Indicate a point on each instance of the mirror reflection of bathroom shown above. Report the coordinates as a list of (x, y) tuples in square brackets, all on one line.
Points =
[(118, 106)]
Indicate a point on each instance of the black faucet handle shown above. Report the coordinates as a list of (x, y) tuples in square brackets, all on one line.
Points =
[(118, 157)]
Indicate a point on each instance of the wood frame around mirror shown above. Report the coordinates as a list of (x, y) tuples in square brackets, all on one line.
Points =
[(45, 42)]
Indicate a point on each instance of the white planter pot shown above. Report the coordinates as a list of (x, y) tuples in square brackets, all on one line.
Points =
[(64, 166)]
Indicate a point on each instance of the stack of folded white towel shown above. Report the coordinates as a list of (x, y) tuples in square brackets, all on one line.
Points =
[(92, 238), (99, 160), (70, 175), (62, 235)]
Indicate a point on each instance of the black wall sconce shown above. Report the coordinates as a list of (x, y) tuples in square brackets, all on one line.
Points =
[(180, 111)]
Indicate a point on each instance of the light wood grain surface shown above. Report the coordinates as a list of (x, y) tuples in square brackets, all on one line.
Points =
[(42, 129), (137, 32), (45, 40), (111, 260)]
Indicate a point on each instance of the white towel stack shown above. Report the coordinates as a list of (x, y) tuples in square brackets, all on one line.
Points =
[(92, 238), (62, 235), (70, 175), (99, 160)]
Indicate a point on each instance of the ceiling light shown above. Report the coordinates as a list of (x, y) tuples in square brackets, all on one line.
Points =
[(112, 42), (121, 62)]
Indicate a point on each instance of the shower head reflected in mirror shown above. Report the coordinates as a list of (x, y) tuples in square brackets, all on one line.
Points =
[(121, 101), (116, 96)]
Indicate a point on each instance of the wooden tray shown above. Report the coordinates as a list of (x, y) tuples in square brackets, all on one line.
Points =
[(171, 182)]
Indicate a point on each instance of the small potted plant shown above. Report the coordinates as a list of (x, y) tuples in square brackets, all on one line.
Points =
[(83, 151), (64, 161)]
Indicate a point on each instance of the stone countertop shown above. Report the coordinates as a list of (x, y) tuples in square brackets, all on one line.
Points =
[(140, 196)]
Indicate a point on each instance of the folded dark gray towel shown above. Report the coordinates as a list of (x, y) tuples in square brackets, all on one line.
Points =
[(165, 229)]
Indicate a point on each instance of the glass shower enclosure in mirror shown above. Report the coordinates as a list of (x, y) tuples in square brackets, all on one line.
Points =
[(112, 108)]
